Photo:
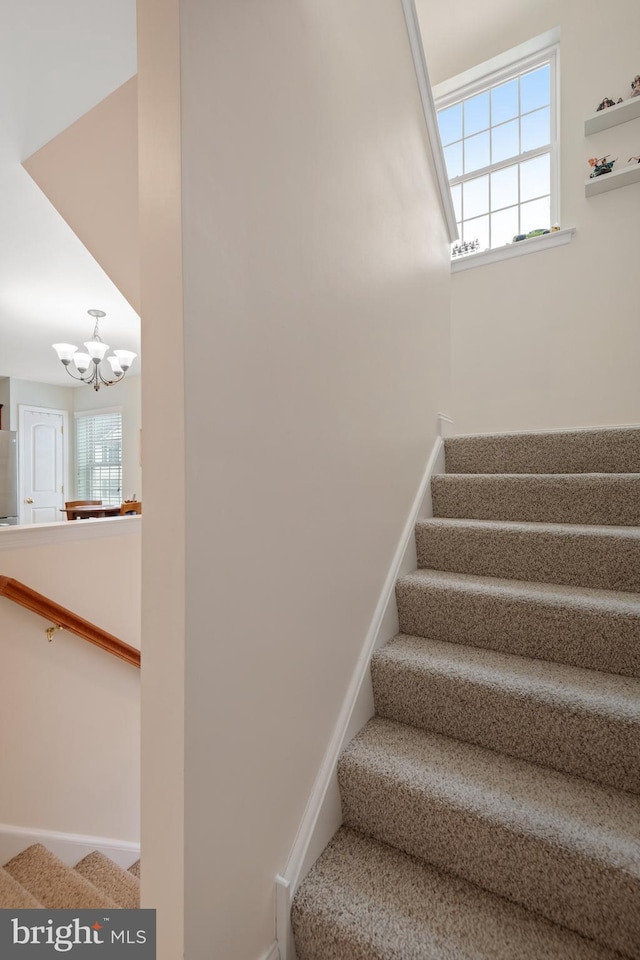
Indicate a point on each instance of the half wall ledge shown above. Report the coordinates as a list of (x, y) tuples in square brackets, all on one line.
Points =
[(40, 534)]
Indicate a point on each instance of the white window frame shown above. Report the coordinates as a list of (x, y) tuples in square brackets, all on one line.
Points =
[(93, 414), (500, 70)]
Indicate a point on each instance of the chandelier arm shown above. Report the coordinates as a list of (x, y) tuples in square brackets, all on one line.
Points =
[(80, 378), (108, 383)]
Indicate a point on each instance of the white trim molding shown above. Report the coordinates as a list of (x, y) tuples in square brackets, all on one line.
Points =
[(445, 426), (556, 238), (323, 814), (430, 116), (466, 80), (69, 847), (272, 953)]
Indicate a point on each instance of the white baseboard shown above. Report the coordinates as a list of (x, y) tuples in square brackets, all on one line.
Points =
[(323, 814), (70, 847), (272, 953)]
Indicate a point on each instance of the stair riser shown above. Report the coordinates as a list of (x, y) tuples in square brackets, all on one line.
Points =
[(587, 500), (582, 560), (580, 636), (600, 748), (561, 885), (599, 451)]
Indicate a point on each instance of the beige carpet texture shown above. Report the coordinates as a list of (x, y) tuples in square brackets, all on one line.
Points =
[(607, 498), (491, 808), (36, 878)]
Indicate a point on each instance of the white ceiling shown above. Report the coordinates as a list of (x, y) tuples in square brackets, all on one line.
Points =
[(58, 59)]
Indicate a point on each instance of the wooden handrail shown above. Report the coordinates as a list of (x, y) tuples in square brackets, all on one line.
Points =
[(26, 597)]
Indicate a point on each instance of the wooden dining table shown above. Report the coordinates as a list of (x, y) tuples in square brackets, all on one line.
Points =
[(91, 511)]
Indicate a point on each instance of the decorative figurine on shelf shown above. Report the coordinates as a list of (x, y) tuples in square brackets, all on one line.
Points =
[(635, 86), (607, 102), (633, 160), (469, 246), (600, 166)]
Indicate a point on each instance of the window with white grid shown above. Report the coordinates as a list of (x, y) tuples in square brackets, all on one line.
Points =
[(500, 143), (99, 456)]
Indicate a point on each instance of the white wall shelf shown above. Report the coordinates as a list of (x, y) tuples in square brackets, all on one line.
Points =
[(611, 181), (612, 116)]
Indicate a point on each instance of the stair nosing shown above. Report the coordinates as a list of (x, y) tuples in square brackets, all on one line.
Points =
[(610, 531), (566, 594)]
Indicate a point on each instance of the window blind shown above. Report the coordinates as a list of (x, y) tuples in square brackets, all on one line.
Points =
[(99, 457)]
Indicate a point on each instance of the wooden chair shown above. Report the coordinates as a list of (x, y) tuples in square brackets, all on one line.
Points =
[(131, 506), (81, 503)]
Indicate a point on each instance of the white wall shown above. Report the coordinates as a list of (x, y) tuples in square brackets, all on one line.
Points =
[(69, 712), (37, 394), (316, 309), (552, 339)]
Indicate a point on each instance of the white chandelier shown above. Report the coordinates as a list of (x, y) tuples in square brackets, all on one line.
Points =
[(89, 365)]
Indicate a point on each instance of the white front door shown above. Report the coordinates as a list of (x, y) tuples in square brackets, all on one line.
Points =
[(41, 444)]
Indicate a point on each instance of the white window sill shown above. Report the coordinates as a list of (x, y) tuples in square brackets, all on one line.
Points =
[(516, 249)]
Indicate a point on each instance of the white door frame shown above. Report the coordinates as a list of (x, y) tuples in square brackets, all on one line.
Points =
[(28, 407)]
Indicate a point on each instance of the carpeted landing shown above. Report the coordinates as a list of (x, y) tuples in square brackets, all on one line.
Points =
[(491, 808), (37, 878)]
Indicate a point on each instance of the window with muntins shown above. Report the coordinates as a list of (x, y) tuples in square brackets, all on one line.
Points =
[(99, 457), (500, 143)]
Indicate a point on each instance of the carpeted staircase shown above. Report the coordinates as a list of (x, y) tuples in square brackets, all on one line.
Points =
[(37, 878), (491, 808)]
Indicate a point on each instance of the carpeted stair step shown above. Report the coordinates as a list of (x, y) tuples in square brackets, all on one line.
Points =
[(135, 869), (594, 629), (562, 847), (118, 884), (364, 900), (577, 721), (613, 450), (53, 883), (13, 895), (602, 557), (610, 499)]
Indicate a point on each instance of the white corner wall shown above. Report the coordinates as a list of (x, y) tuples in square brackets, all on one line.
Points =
[(316, 288), (89, 172), (70, 712), (163, 549), (316, 357), (552, 339)]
